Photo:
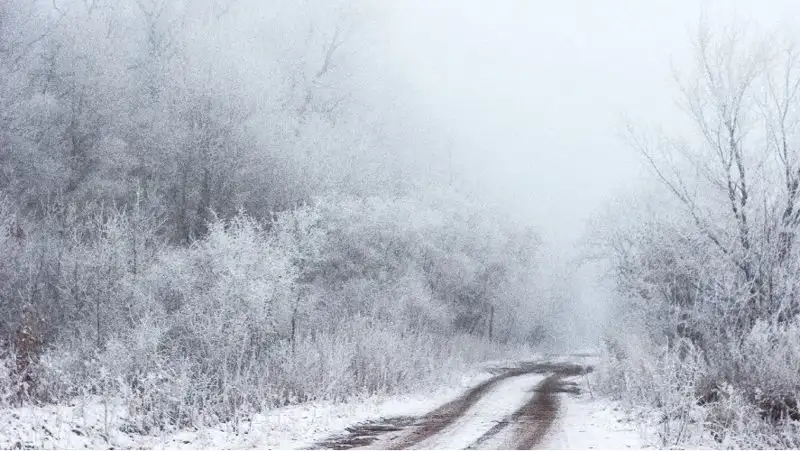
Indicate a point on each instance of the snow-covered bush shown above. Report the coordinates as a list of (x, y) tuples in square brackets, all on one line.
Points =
[(706, 269), (339, 298), (686, 399), (687, 354), (158, 239), (447, 262)]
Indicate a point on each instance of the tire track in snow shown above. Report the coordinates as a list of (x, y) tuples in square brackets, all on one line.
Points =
[(510, 406), (499, 403), (527, 427)]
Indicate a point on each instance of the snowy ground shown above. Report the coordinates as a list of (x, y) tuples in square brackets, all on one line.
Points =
[(586, 422), (301, 426), (590, 422), (92, 423)]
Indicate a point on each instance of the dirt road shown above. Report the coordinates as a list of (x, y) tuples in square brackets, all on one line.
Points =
[(513, 410)]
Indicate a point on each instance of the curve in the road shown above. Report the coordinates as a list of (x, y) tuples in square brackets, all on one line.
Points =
[(530, 422)]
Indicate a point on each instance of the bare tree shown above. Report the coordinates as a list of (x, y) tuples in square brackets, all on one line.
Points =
[(741, 99)]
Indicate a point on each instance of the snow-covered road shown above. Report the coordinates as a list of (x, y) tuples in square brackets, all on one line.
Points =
[(534, 405), (493, 408)]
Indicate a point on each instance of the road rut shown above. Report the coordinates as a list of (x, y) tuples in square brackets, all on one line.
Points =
[(524, 428)]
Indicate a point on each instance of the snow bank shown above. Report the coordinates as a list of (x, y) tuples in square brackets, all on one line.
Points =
[(593, 423)]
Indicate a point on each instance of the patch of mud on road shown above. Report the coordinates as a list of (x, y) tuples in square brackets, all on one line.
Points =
[(531, 421), (536, 417), (364, 434)]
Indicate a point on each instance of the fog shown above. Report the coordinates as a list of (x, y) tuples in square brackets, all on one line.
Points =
[(516, 104), (534, 96), (210, 209)]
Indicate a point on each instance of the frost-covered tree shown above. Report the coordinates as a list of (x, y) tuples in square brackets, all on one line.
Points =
[(709, 265), (208, 209)]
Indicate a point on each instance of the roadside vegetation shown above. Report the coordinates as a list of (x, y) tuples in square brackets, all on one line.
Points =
[(211, 209), (706, 266)]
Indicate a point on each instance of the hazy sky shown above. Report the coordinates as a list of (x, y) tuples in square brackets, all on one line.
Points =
[(534, 92)]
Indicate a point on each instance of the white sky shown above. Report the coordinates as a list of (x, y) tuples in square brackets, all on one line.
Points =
[(534, 94)]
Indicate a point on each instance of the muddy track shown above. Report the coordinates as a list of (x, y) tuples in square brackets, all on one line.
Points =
[(405, 432), (536, 417), (422, 428), (532, 421)]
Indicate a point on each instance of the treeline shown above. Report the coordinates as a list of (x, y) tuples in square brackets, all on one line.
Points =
[(184, 109), (340, 297), (211, 209), (707, 268)]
